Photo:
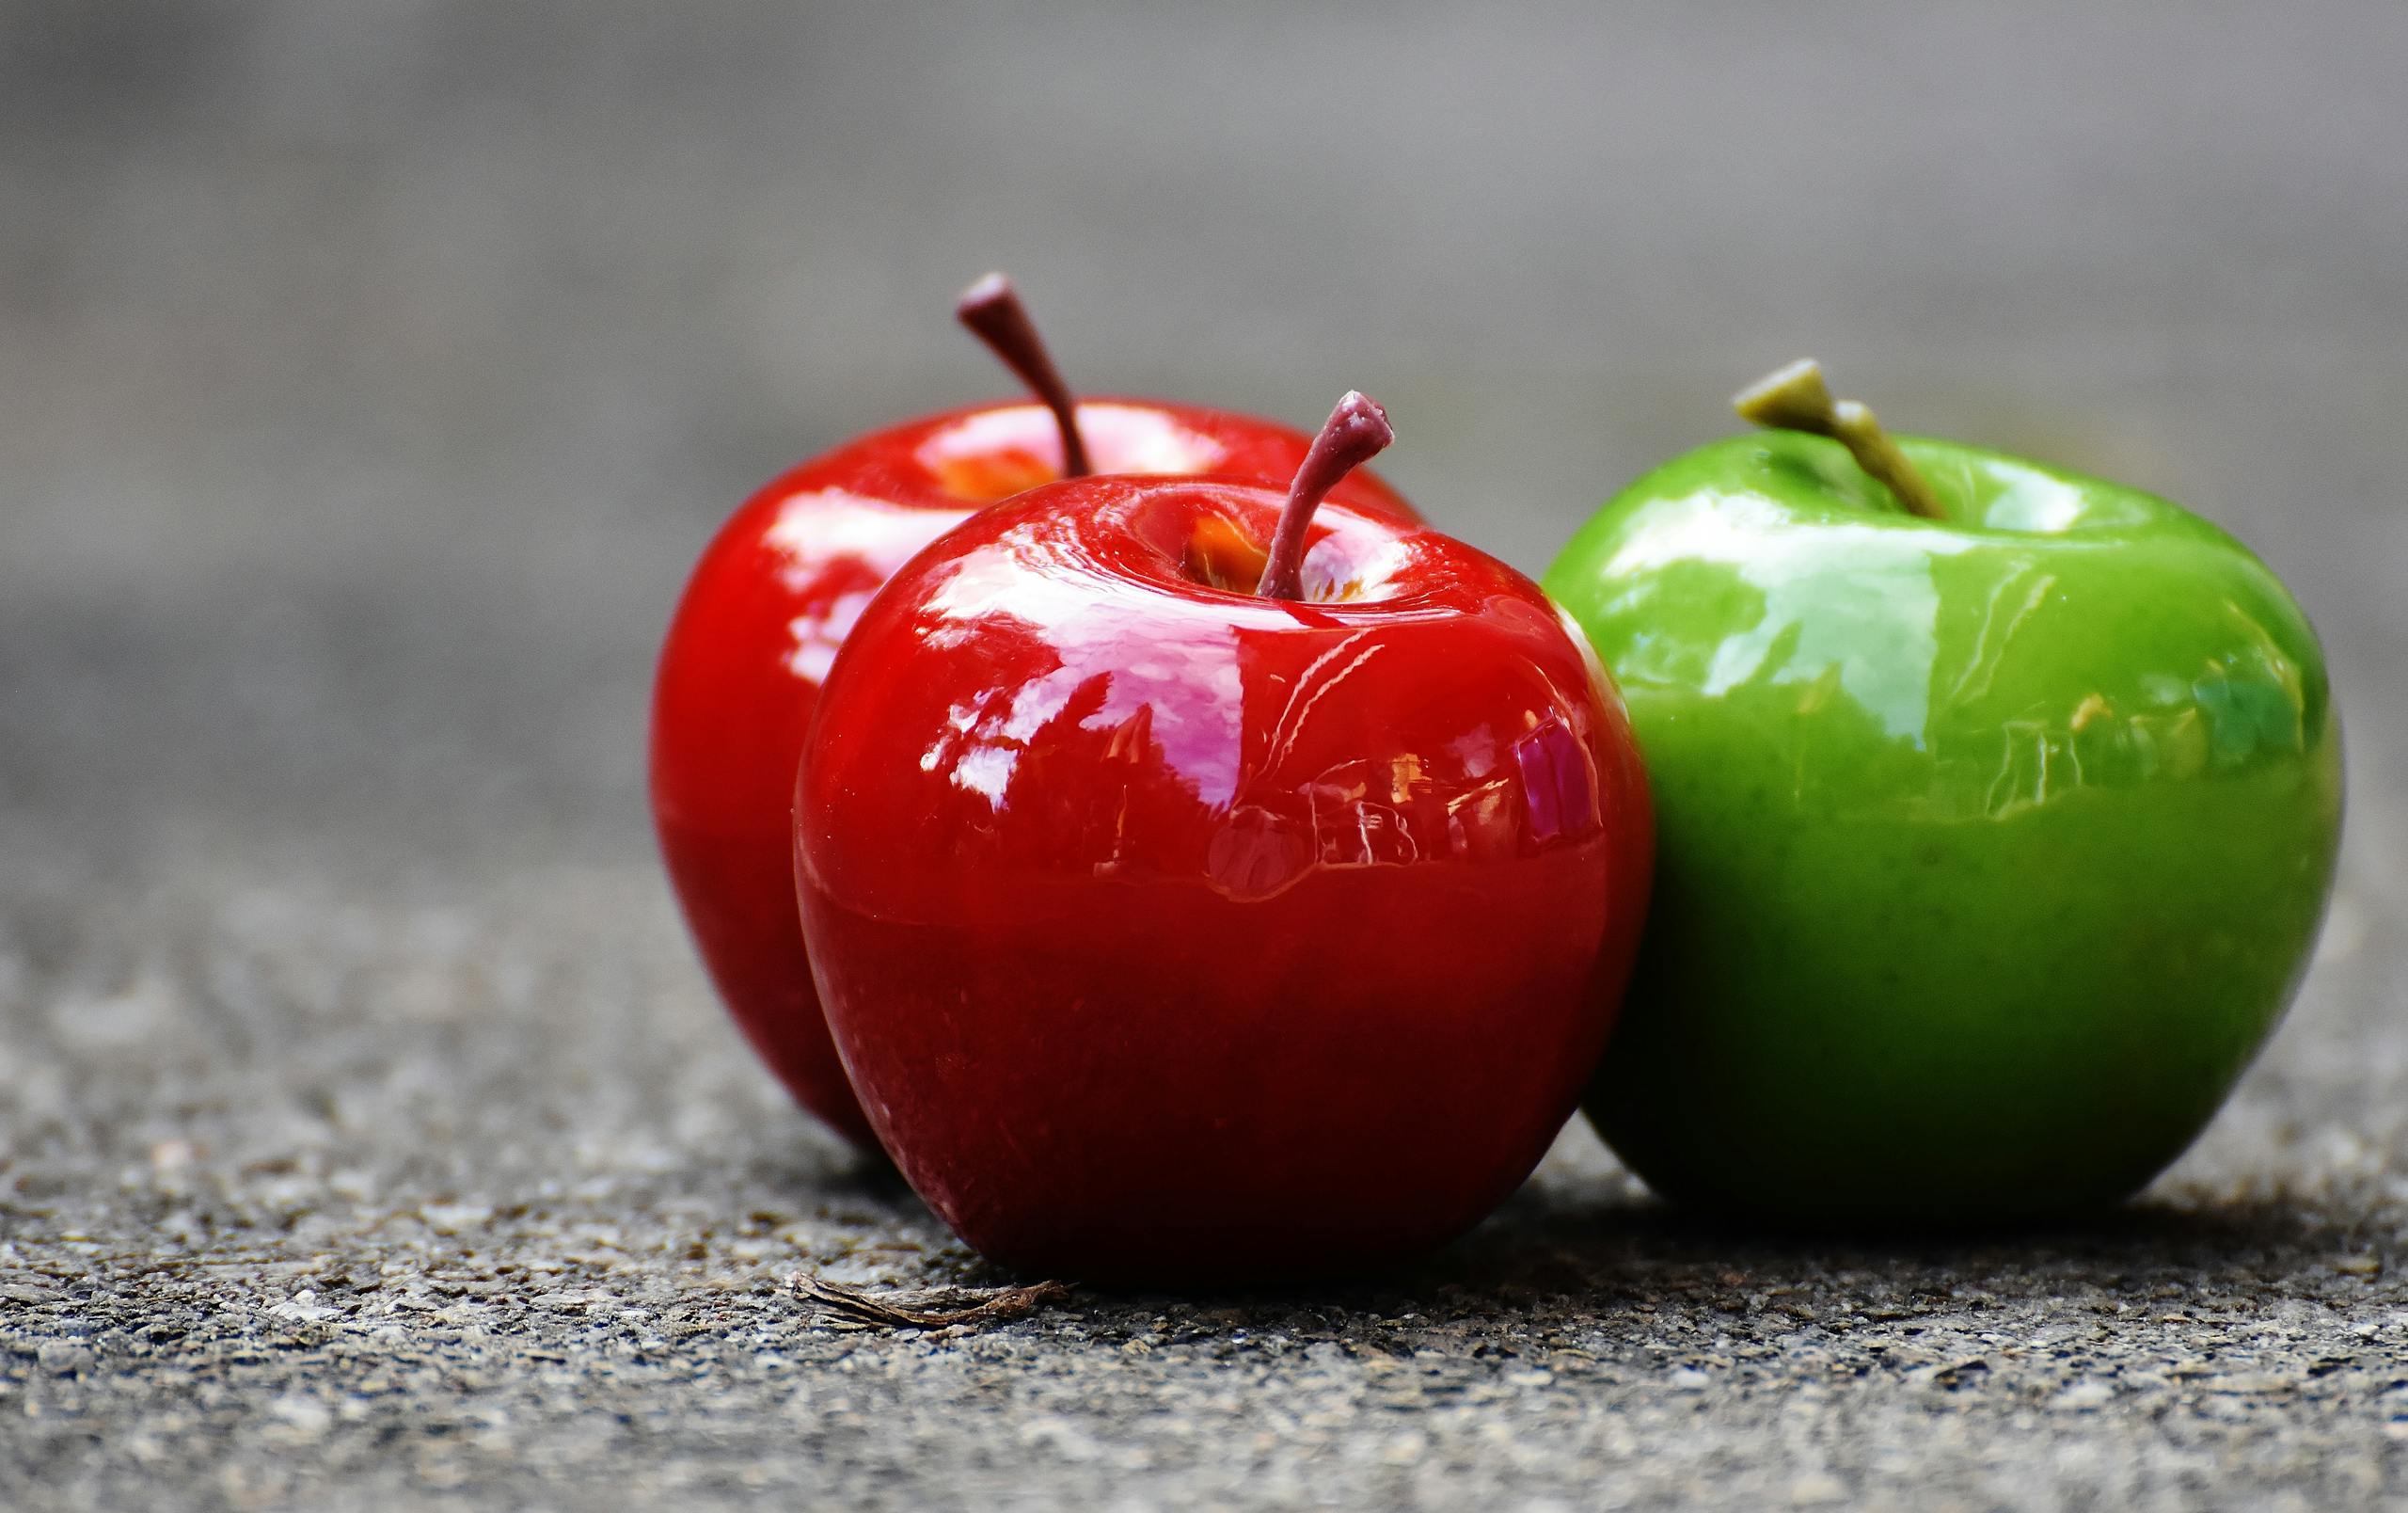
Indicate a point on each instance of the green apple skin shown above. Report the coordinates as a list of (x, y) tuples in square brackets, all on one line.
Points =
[(1991, 849)]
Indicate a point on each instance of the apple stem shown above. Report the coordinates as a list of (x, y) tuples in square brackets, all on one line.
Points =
[(1796, 399), (992, 311), (1356, 431)]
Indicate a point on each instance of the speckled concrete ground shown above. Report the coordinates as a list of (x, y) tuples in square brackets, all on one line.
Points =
[(330, 1188), (368, 1137)]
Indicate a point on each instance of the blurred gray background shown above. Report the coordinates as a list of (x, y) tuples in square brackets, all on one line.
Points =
[(371, 374)]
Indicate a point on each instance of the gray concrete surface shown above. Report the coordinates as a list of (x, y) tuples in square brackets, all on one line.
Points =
[(370, 373)]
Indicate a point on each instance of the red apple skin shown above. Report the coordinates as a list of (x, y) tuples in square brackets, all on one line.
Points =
[(761, 619), (1175, 935)]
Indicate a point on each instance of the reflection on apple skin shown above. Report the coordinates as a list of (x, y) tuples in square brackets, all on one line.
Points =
[(1990, 852), (1163, 855), (772, 599), (1249, 713)]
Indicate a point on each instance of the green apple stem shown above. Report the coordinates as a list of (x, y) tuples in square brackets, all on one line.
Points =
[(992, 311), (1356, 431), (1796, 399)]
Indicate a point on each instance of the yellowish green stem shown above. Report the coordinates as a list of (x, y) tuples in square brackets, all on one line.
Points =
[(1796, 399)]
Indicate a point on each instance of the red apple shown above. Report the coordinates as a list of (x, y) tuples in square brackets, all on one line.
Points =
[(1173, 932), (773, 597)]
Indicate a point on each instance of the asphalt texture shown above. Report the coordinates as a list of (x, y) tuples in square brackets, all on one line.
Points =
[(369, 376)]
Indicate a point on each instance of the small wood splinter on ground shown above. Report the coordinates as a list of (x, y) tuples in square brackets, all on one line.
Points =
[(992, 1305)]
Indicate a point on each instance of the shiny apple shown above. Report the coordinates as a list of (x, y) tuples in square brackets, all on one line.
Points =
[(1205, 888), (772, 599), (1999, 806)]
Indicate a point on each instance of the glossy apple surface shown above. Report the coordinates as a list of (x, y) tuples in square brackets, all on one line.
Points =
[(1992, 847), (1172, 934), (760, 621)]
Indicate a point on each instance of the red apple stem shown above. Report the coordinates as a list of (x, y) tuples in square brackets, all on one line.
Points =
[(1356, 431), (1796, 399), (992, 311)]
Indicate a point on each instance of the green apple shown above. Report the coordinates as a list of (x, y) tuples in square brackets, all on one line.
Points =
[(1997, 809)]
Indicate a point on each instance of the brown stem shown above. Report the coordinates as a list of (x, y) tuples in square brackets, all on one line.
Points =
[(971, 1306), (1796, 399), (1356, 431), (992, 311)]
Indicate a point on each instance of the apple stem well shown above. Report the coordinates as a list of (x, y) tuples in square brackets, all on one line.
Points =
[(992, 311), (1356, 431), (1796, 399)]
